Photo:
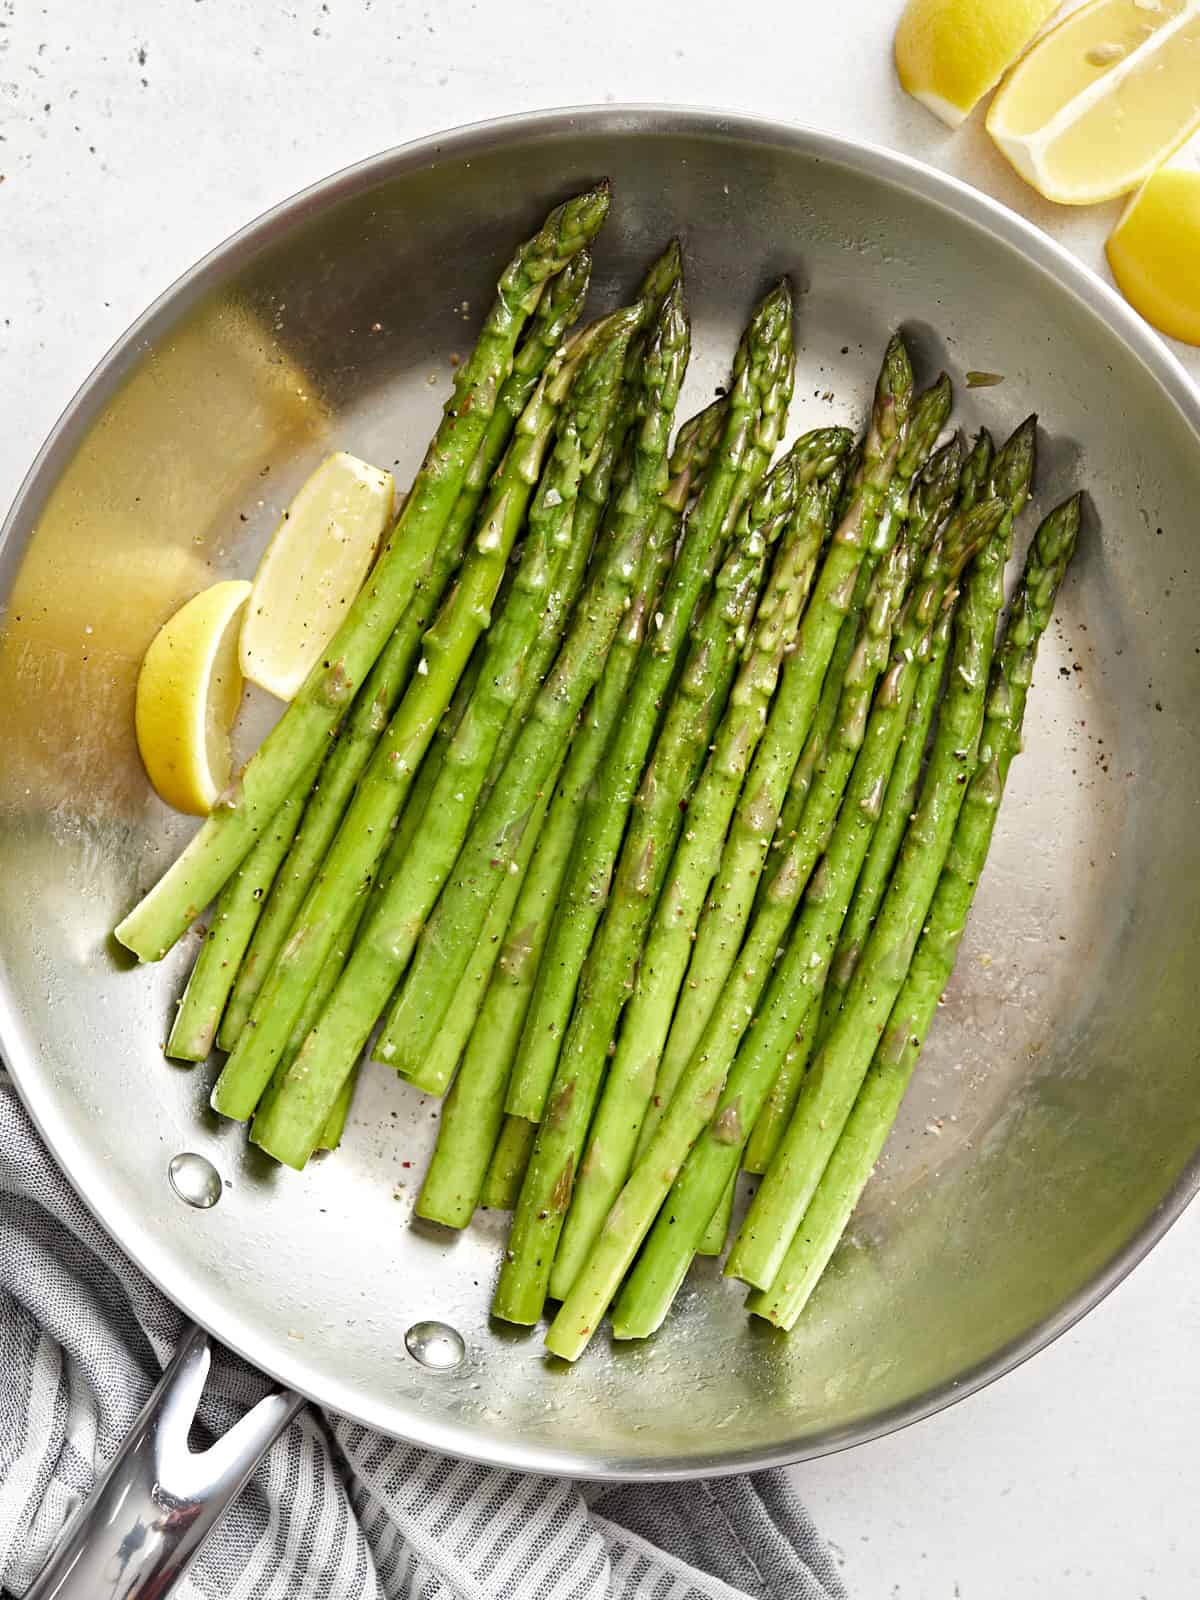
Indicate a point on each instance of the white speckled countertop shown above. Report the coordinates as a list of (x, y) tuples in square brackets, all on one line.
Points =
[(134, 135)]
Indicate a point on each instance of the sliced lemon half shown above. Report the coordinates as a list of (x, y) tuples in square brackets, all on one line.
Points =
[(188, 691), (1103, 99), (312, 569), (1154, 250), (949, 53)]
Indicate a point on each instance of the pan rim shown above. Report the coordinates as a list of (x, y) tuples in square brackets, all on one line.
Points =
[(1069, 274)]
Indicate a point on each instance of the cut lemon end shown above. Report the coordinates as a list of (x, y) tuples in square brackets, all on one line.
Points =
[(312, 569), (1103, 99), (950, 53), (188, 692), (1154, 251)]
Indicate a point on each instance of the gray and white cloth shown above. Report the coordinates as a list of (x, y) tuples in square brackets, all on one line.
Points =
[(334, 1512)]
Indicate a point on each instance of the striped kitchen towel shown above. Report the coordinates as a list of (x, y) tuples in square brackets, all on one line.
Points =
[(335, 1512)]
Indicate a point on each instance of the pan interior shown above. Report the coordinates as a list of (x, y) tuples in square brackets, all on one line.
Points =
[(1054, 1114)]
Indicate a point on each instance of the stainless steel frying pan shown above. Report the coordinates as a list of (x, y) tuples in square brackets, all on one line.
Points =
[(1052, 1134)]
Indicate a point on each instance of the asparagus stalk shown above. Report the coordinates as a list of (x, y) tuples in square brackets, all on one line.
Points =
[(495, 837), (917, 464), (394, 922), (807, 842), (336, 781), (589, 501), (899, 802), (405, 827), (712, 1241), (932, 500), (660, 967), (454, 926), (400, 574), (509, 1160), (723, 922), (474, 1108), (699, 1090), (902, 792), (234, 917), (549, 1181), (355, 854), (558, 308), (1011, 484), (335, 1123), (758, 400), (609, 452), (314, 1003), (896, 1054), (828, 1092), (457, 1179), (862, 751), (434, 1074)]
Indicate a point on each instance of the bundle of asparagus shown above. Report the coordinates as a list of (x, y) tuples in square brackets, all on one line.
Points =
[(642, 793)]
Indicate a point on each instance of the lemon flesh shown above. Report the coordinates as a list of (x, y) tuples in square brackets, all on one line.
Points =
[(313, 567), (1103, 99), (188, 692), (950, 53)]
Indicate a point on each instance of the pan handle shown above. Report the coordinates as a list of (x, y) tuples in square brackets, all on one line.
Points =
[(157, 1503)]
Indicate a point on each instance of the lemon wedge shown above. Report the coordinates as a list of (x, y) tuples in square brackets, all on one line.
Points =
[(312, 569), (188, 692), (1154, 250), (1103, 99), (949, 53)]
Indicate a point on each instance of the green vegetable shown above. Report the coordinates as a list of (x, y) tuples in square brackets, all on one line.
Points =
[(835, 1076), (354, 856), (400, 574), (735, 879), (373, 706), (863, 1136), (758, 401)]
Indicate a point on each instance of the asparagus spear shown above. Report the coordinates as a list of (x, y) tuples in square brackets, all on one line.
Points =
[(495, 836), (509, 1160), (455, 924), (558, 308), (862, 751), (335, 1122), (471, 1116), (631, 1077), (433, 1075), (699, 1090), (590, 501), (547, 1189), (355, 854), (1009, 480), (902, 792), (932, 500), (609, 453), (235, 914), (394, 922), (457, 1180), (917, 465), (404, 829), (401, 573), (758, 401), (724, 919), (835, 1077), (812, 828), (712, 1241), (896, 1054)]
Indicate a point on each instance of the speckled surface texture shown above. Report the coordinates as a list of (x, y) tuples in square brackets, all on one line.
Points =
[(135, 135)]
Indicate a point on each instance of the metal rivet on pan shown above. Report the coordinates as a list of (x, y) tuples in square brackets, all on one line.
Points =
[(195, 1179), (435, 1344)]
